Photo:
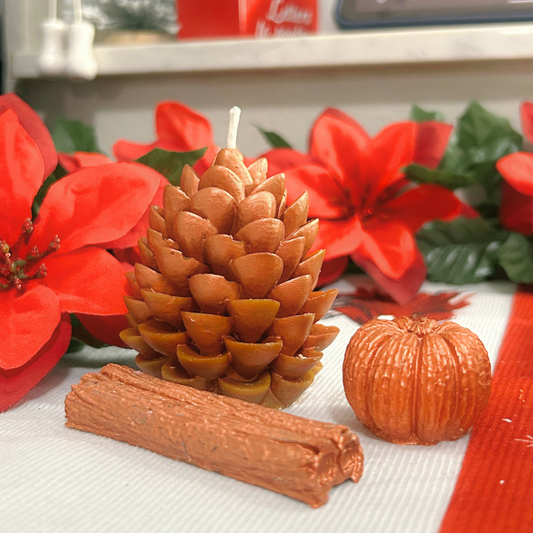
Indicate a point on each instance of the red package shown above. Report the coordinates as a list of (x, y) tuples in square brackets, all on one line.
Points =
[(259, 18)]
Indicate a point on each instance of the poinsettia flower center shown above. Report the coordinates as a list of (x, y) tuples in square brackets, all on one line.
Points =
[(17, 268), (362, 213)]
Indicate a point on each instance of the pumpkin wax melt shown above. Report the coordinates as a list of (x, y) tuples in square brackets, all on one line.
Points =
[(416, 381)]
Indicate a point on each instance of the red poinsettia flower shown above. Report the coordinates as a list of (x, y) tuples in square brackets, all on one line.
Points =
[(179, 129), (516, 208), (35, 128), (108, 328), (355, 185), (83, 160), (125, 249), (431, 142), (78, 160), (432, 139), (53, 266), (526, 116)]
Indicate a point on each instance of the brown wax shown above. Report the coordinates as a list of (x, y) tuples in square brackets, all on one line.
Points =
[(295, 456)]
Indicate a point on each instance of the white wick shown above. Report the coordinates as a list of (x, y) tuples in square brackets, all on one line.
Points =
[(234, 116)]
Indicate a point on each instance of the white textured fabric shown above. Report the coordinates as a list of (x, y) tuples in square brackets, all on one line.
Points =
[(55, 479)]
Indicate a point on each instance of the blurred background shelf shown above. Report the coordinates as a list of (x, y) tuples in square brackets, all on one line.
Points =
[(281, 84), (491, 42)]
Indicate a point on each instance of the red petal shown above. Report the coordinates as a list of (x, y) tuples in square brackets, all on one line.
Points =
[(35, 127), (205, 162), (89, 281), (465, 211), (68, 162), (139, 230), (526, 115), (417, 206), (182, 126), (128, 151), (27, 322), (389, 246), (282, 159), (105, 328), (21, 175), (71, 163), (516, 210), (338, 237), (14, 384), (431, 142), (89, 159), (390, 151), (517, 169), (403, 289), (95, 205), (332, 270), (340, 142), (128, 256), (326, 199)]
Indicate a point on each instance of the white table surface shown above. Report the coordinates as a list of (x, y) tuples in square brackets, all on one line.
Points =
[(55, 479)]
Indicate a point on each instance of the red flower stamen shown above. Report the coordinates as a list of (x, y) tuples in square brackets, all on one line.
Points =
[(14, 269)]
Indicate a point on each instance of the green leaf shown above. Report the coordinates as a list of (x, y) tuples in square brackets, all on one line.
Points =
[(445, 178), (56, 175), (487, 210), (491, 181), (480, 139), (74, 136), (80, 334), (272, 138), (461, 251), (420, 115), (75, 346), (486, 137), (171, 164), (516, 257), (454, 160), (352, 268)]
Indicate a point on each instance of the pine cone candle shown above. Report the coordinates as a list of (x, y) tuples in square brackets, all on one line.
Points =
[(223, 300)]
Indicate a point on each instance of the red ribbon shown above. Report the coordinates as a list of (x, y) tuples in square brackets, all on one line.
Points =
[(494, 491)]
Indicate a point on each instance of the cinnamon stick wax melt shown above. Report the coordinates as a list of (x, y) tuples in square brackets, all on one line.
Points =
[(295, 456)]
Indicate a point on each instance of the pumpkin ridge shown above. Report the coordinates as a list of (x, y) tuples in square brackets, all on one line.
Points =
[(375, 355), (416, 384), (456, 365)]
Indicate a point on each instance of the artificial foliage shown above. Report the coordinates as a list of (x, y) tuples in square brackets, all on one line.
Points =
[(483, 163), (482, 160), (178, 129), (368, 211), (56, 264)]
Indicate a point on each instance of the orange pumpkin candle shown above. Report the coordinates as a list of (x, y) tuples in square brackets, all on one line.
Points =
[(416, 381)]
